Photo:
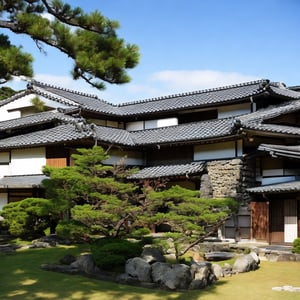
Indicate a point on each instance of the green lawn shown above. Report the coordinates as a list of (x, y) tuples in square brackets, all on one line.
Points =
[(22, 278)]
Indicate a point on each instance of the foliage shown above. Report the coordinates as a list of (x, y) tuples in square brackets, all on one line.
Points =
[(90, 40), (6, 92), (38, 104), (30, 216), (190, 217), (109, 253), (73, 230), (296, 246), (13, 62), (97, 197)]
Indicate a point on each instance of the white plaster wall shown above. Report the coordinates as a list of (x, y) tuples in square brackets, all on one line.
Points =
[(132, 158), (12, 110), (150, 124), (133, 126), (4, 170), (217, 151), (167, 122), (27, 161), (233, 110)]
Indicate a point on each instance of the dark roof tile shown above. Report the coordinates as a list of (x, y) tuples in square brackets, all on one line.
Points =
[(22, 181), (169, 170), (184, 132), (62, 133), (285, 187), (35, 119)]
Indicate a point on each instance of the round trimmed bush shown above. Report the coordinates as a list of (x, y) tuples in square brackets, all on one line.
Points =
[(110, 253), (296, 246)]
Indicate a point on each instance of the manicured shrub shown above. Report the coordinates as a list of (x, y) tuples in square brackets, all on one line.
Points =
[(296, 246), (73, 230), (110, 253)]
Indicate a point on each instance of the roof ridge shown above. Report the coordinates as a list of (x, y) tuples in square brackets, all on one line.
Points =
[(14, 97), (42, 84), (193, 92)]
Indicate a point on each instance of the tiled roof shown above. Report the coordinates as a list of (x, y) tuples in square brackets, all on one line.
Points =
[(35, 119), (113, 135), (286, 187), (259, 120), (174, 134), (202, 98), (74, 98), (169, 170), (184, 132), (227, 94), (21, 181), (14, 97), (281, 150), (62, 133), (281, 91)]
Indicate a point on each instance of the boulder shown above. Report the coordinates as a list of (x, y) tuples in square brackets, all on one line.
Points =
[(8, 248), (286, 257), (60, 268), (152, 255), (218, 255), (202, 275), (217, 271), (245, 263), (85, 264), (138, 268), (173, 277), (227, 269), (67, 259)]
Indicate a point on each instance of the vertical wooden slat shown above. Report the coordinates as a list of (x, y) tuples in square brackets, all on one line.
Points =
[(57, 162), (260, 220)]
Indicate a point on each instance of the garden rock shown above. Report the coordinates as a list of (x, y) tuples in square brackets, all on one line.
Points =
[(39, 244), (86, 264), (218, 255), (173, 277), (217, 270), (245, 263), (138, 268), (286, 257), (227, 269), (8, 248), (60, 268), (152, 255), (202, 275), (67, 259)]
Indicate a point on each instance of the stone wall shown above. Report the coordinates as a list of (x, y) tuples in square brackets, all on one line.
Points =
[(230, 178)]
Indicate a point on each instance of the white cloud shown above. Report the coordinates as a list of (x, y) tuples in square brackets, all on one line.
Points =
[(48, 16), (188, 80)]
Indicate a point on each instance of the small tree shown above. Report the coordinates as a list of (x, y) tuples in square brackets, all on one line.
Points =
[(98, 197), (31, 216), (190, 218)]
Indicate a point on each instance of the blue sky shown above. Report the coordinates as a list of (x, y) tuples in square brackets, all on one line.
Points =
[(189, 45)]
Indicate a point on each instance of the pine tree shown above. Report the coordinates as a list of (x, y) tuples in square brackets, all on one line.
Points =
[(191, 218), (97, 197), (13, 62), (99, 55)]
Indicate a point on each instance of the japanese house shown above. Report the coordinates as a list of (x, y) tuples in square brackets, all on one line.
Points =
[(240, 141)]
